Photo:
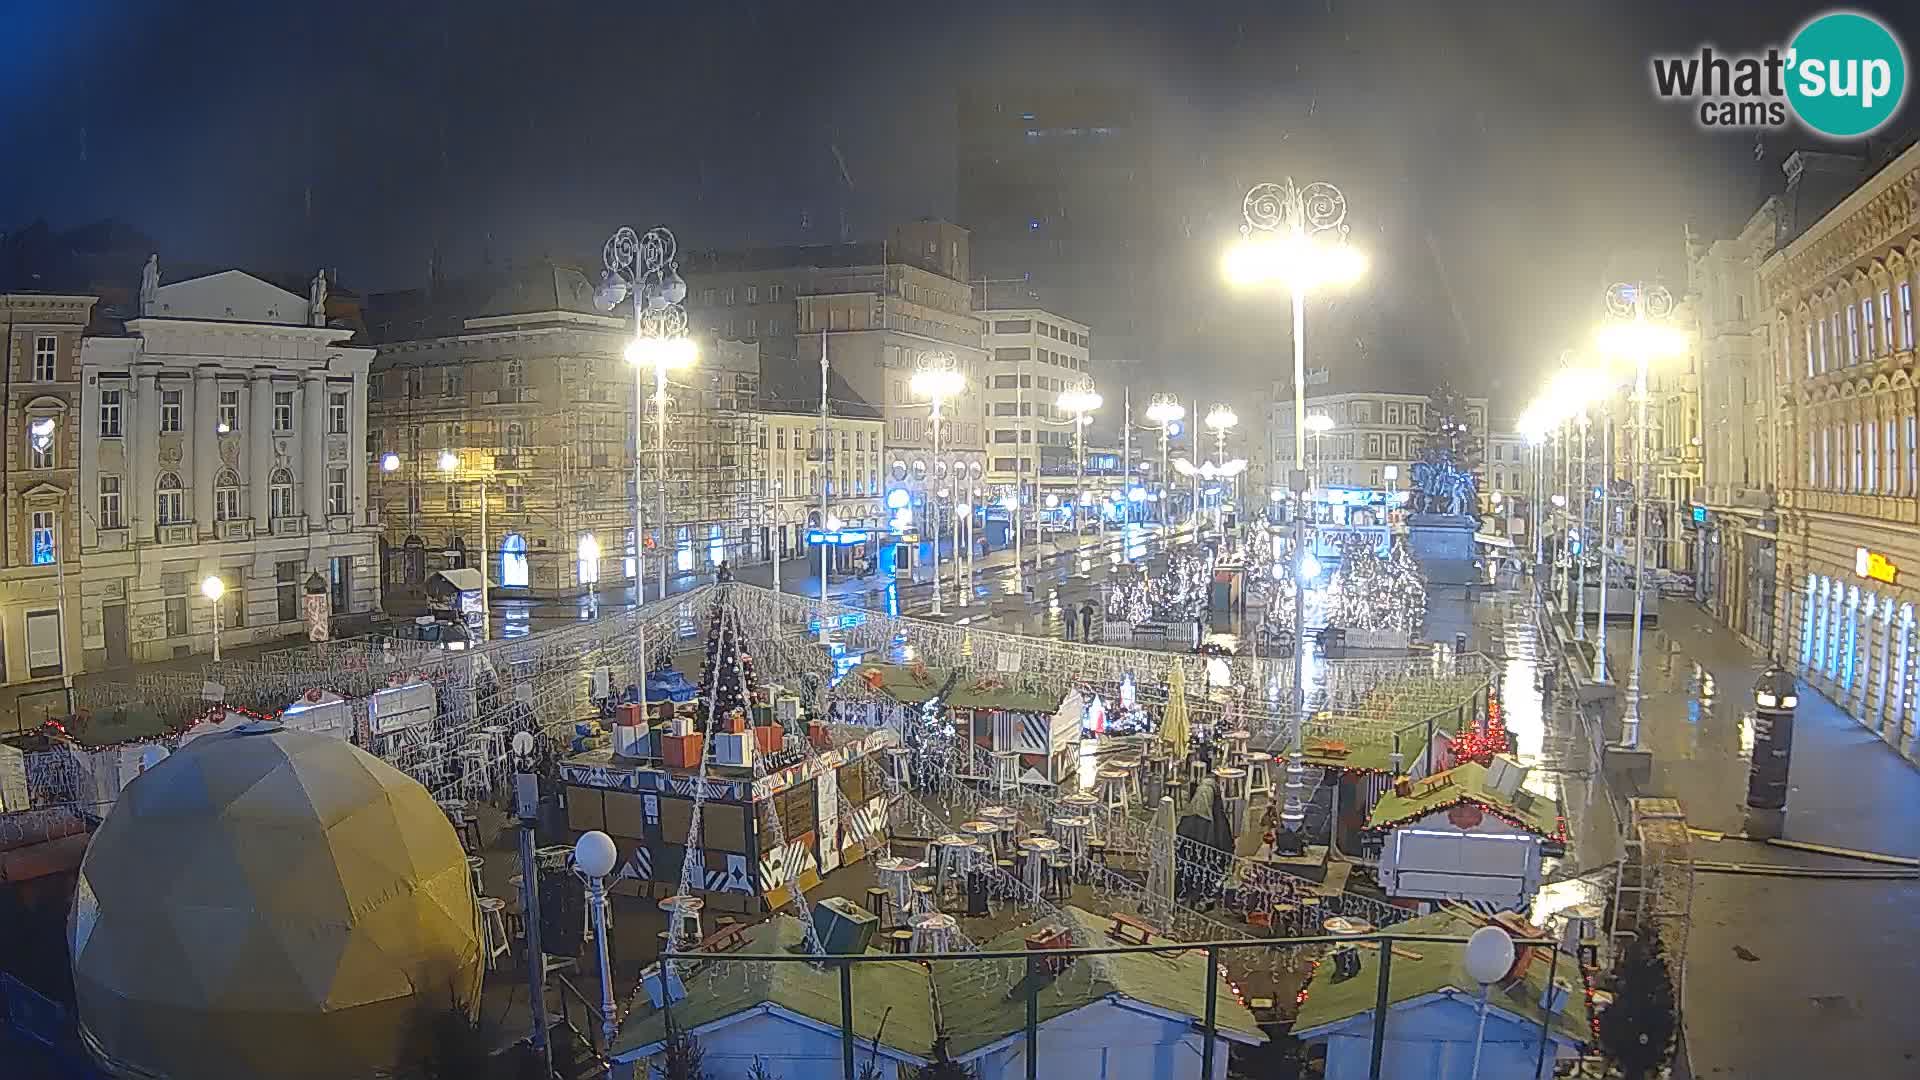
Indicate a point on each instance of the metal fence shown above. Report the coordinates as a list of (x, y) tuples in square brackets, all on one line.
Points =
[(1004, 1033)]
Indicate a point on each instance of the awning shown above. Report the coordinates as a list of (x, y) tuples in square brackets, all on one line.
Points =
[(462, 579)]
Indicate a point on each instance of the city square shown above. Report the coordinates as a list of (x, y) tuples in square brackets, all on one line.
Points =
[(1156, 568)]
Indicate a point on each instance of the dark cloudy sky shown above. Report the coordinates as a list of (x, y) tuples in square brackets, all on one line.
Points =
[(1499, 157)]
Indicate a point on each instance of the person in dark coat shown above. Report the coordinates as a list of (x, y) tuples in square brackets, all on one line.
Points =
[(1086, 620)]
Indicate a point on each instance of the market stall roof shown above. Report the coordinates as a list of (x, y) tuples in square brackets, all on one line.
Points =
[(894, 997), (1168, 982), (911, 685), (459, 579), (1461, 784), (1426, 968)]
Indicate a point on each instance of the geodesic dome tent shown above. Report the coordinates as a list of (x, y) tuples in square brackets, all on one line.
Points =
[(270, 903)]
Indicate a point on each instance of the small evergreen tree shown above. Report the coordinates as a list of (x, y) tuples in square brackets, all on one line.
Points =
[(760, 1071), (1637, 1030), (684, 1054)]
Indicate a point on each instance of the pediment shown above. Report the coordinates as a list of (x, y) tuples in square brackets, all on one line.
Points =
[(230, 296)]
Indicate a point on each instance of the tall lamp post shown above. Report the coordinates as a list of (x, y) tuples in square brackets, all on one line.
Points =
[(1165, 412), (1296, 237), (1317, 426), (1220, 419), (594, 855), (1636, 334), (645, 267), (449, 465), (938, 379), (1081, 401), (213, 589)]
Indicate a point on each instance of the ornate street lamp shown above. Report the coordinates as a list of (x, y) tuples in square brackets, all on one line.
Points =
[(1295, 237), (645, 266), (937, 378)]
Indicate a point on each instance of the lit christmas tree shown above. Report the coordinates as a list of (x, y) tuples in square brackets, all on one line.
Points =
[(1473, 745), (1372, 593), (727, 673)]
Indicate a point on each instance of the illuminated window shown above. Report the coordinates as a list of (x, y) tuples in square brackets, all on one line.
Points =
[(43, 537)]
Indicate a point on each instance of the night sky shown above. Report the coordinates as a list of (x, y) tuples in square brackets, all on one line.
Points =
[(1502, 160)]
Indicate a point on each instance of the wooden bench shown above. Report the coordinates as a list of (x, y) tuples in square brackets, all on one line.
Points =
[(1128, 930)]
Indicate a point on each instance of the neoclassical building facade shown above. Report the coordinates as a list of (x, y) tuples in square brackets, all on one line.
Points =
[(1842, 298)]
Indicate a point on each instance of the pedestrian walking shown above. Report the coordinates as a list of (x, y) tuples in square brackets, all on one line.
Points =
[(1066, 624), (1086, 621)]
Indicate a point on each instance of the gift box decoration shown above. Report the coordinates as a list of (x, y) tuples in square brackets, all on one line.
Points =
[(769, 739), (682, 751)]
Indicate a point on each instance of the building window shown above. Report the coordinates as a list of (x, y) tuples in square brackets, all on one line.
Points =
[(43, 533), (1810, 368), (1913, 449), (176, 616), (516, 375), (753, 328), (1873, 456), (1866, 327), (170, 501), (1887, 339), (337, 413), (169, 410), (1821, 326), (774, 292), (229, 411), (46, 351), (753, 294), (515, 498), (1892, 482), (226, 496), (283, 410), (779, 438), (1853, 336), (453, 497), (336, 490), (516, 435), (42, 452), (286, 589), (1906, 315), (110, 502), (280, 494), (109, 414), (1858, 461), (453, 382)]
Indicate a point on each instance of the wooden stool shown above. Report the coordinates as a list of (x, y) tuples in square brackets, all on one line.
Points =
[(1116, 792), (923, 898), (876, 904), (475, 865), (1259, 774), (493, 929), (1097, 852), (901, 941)]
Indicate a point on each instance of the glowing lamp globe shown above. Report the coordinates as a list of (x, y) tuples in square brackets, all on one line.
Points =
[(271, 903), (595, 854)]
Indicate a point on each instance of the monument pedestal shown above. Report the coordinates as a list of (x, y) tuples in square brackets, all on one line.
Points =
[(1443, 546)]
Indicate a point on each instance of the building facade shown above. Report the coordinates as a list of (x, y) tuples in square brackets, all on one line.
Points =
[(850, 467), (1374, 441), (1509, 470), (1734, 548), (1033, 355), (225, 435), (1841, 298), (39, 460), (521, 384)]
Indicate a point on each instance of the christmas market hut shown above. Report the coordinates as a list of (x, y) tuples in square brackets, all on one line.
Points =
[(1471, 833), (782, 799), (1030, 735), (1434, 1009)]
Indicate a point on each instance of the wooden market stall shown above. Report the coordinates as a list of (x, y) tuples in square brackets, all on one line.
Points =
[(829, 813), (1032, 734)]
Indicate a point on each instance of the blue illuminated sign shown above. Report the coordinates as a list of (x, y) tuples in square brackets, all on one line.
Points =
[(843, 538), (1699, 515)]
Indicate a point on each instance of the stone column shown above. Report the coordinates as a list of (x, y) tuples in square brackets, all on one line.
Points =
[(143, 443), (205, 440), (260, 449), (313, 448), (357, 463)]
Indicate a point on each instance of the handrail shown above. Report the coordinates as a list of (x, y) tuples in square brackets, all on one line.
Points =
[(1376, 937)]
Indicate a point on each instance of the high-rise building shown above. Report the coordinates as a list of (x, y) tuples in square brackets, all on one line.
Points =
[(1033, 355), (1058, 187)]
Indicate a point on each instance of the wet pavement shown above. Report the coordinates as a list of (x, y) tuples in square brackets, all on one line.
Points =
[(1785, 977)]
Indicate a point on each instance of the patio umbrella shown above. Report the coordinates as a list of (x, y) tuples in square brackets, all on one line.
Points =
[(1173, 721)]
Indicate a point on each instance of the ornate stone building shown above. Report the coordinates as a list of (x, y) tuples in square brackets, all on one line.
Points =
[(519, 382), (1734, 556), (225, 435), (39, 461), (1841, 298)]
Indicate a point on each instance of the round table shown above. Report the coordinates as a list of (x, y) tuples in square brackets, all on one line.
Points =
[(682, 908), (933, 931), (897, 874), (1345, 927), (1037, 849), (982, 832), (1071, 831)]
